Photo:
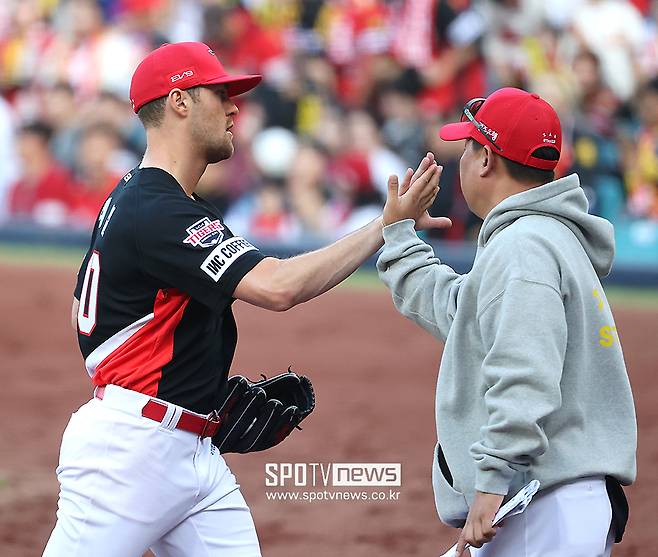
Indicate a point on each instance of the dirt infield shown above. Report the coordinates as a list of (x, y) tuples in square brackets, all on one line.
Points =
[(355, 347)]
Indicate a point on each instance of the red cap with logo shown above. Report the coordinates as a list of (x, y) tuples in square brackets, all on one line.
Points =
[(183, 65), (515, 123)]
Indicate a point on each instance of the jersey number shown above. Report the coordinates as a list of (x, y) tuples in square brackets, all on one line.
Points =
[(89, 295)]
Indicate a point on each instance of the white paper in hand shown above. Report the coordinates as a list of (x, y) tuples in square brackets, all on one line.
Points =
[(516, 505)]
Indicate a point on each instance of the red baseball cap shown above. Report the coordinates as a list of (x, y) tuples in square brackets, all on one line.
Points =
[(183, 65), (518, 122)]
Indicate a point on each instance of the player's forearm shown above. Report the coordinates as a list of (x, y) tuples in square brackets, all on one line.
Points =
[(423, 289), (311, 274)]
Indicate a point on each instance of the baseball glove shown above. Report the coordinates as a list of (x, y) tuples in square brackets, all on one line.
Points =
[(258, 415)]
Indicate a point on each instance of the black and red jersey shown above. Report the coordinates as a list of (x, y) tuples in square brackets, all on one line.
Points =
[(155, 291)]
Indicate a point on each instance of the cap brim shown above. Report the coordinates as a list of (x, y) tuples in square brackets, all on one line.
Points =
[(236, 84), (455, 132)]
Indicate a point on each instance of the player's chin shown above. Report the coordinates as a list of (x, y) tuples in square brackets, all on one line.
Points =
[(220, 152)]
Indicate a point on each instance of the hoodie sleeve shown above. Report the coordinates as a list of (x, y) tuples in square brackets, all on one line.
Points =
[(524, 330), (423, 289)]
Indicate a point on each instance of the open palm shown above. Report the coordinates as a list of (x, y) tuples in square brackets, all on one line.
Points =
[(425, 221)]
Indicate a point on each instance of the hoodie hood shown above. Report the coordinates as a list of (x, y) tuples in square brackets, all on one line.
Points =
[(565, 201)]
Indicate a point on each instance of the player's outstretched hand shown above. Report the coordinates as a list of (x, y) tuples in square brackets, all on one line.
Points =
[(417, 192)]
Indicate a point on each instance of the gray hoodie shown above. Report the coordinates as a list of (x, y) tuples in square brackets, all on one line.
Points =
[(532, 383)]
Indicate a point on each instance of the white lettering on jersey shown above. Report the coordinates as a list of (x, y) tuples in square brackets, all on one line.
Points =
[(107, 221), (224, 255), (106, 205)]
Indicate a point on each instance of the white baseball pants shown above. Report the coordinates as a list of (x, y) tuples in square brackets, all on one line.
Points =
[(572, 520), (128, 483)]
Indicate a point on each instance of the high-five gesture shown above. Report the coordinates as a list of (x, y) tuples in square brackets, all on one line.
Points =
[(416, 193)]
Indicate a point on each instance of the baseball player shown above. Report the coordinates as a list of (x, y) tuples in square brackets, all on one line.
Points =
[(532, 383), (152, 309)]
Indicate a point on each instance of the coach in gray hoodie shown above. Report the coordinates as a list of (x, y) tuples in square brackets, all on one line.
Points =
[(532, 383)]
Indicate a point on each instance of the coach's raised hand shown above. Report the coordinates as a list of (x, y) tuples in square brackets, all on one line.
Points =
[(412, 198)]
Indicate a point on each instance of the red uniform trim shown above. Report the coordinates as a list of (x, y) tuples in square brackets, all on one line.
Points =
[(137, 364)]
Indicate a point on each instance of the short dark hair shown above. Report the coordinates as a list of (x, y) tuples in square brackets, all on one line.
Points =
[(528, 174), (102, 128), (63, 87), (152, 113), (38, 128)]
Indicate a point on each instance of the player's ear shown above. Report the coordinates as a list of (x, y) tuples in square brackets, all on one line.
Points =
[(179, 101), (487, 161)]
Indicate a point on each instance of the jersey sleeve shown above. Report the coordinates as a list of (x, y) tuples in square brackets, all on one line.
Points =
[(188, 247)]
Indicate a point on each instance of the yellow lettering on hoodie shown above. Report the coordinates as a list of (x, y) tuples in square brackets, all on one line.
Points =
[(598, 298), (607, 336)]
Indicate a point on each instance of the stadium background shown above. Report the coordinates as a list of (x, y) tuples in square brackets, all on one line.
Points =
[(354, 90)]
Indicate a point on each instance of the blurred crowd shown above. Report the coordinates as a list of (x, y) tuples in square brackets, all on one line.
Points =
[(353, 90)]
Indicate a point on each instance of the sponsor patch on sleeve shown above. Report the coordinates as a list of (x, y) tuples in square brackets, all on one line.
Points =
[(224, 255), (204, 233)]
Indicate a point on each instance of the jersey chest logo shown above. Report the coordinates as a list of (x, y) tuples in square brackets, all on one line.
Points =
[(204, 233)]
